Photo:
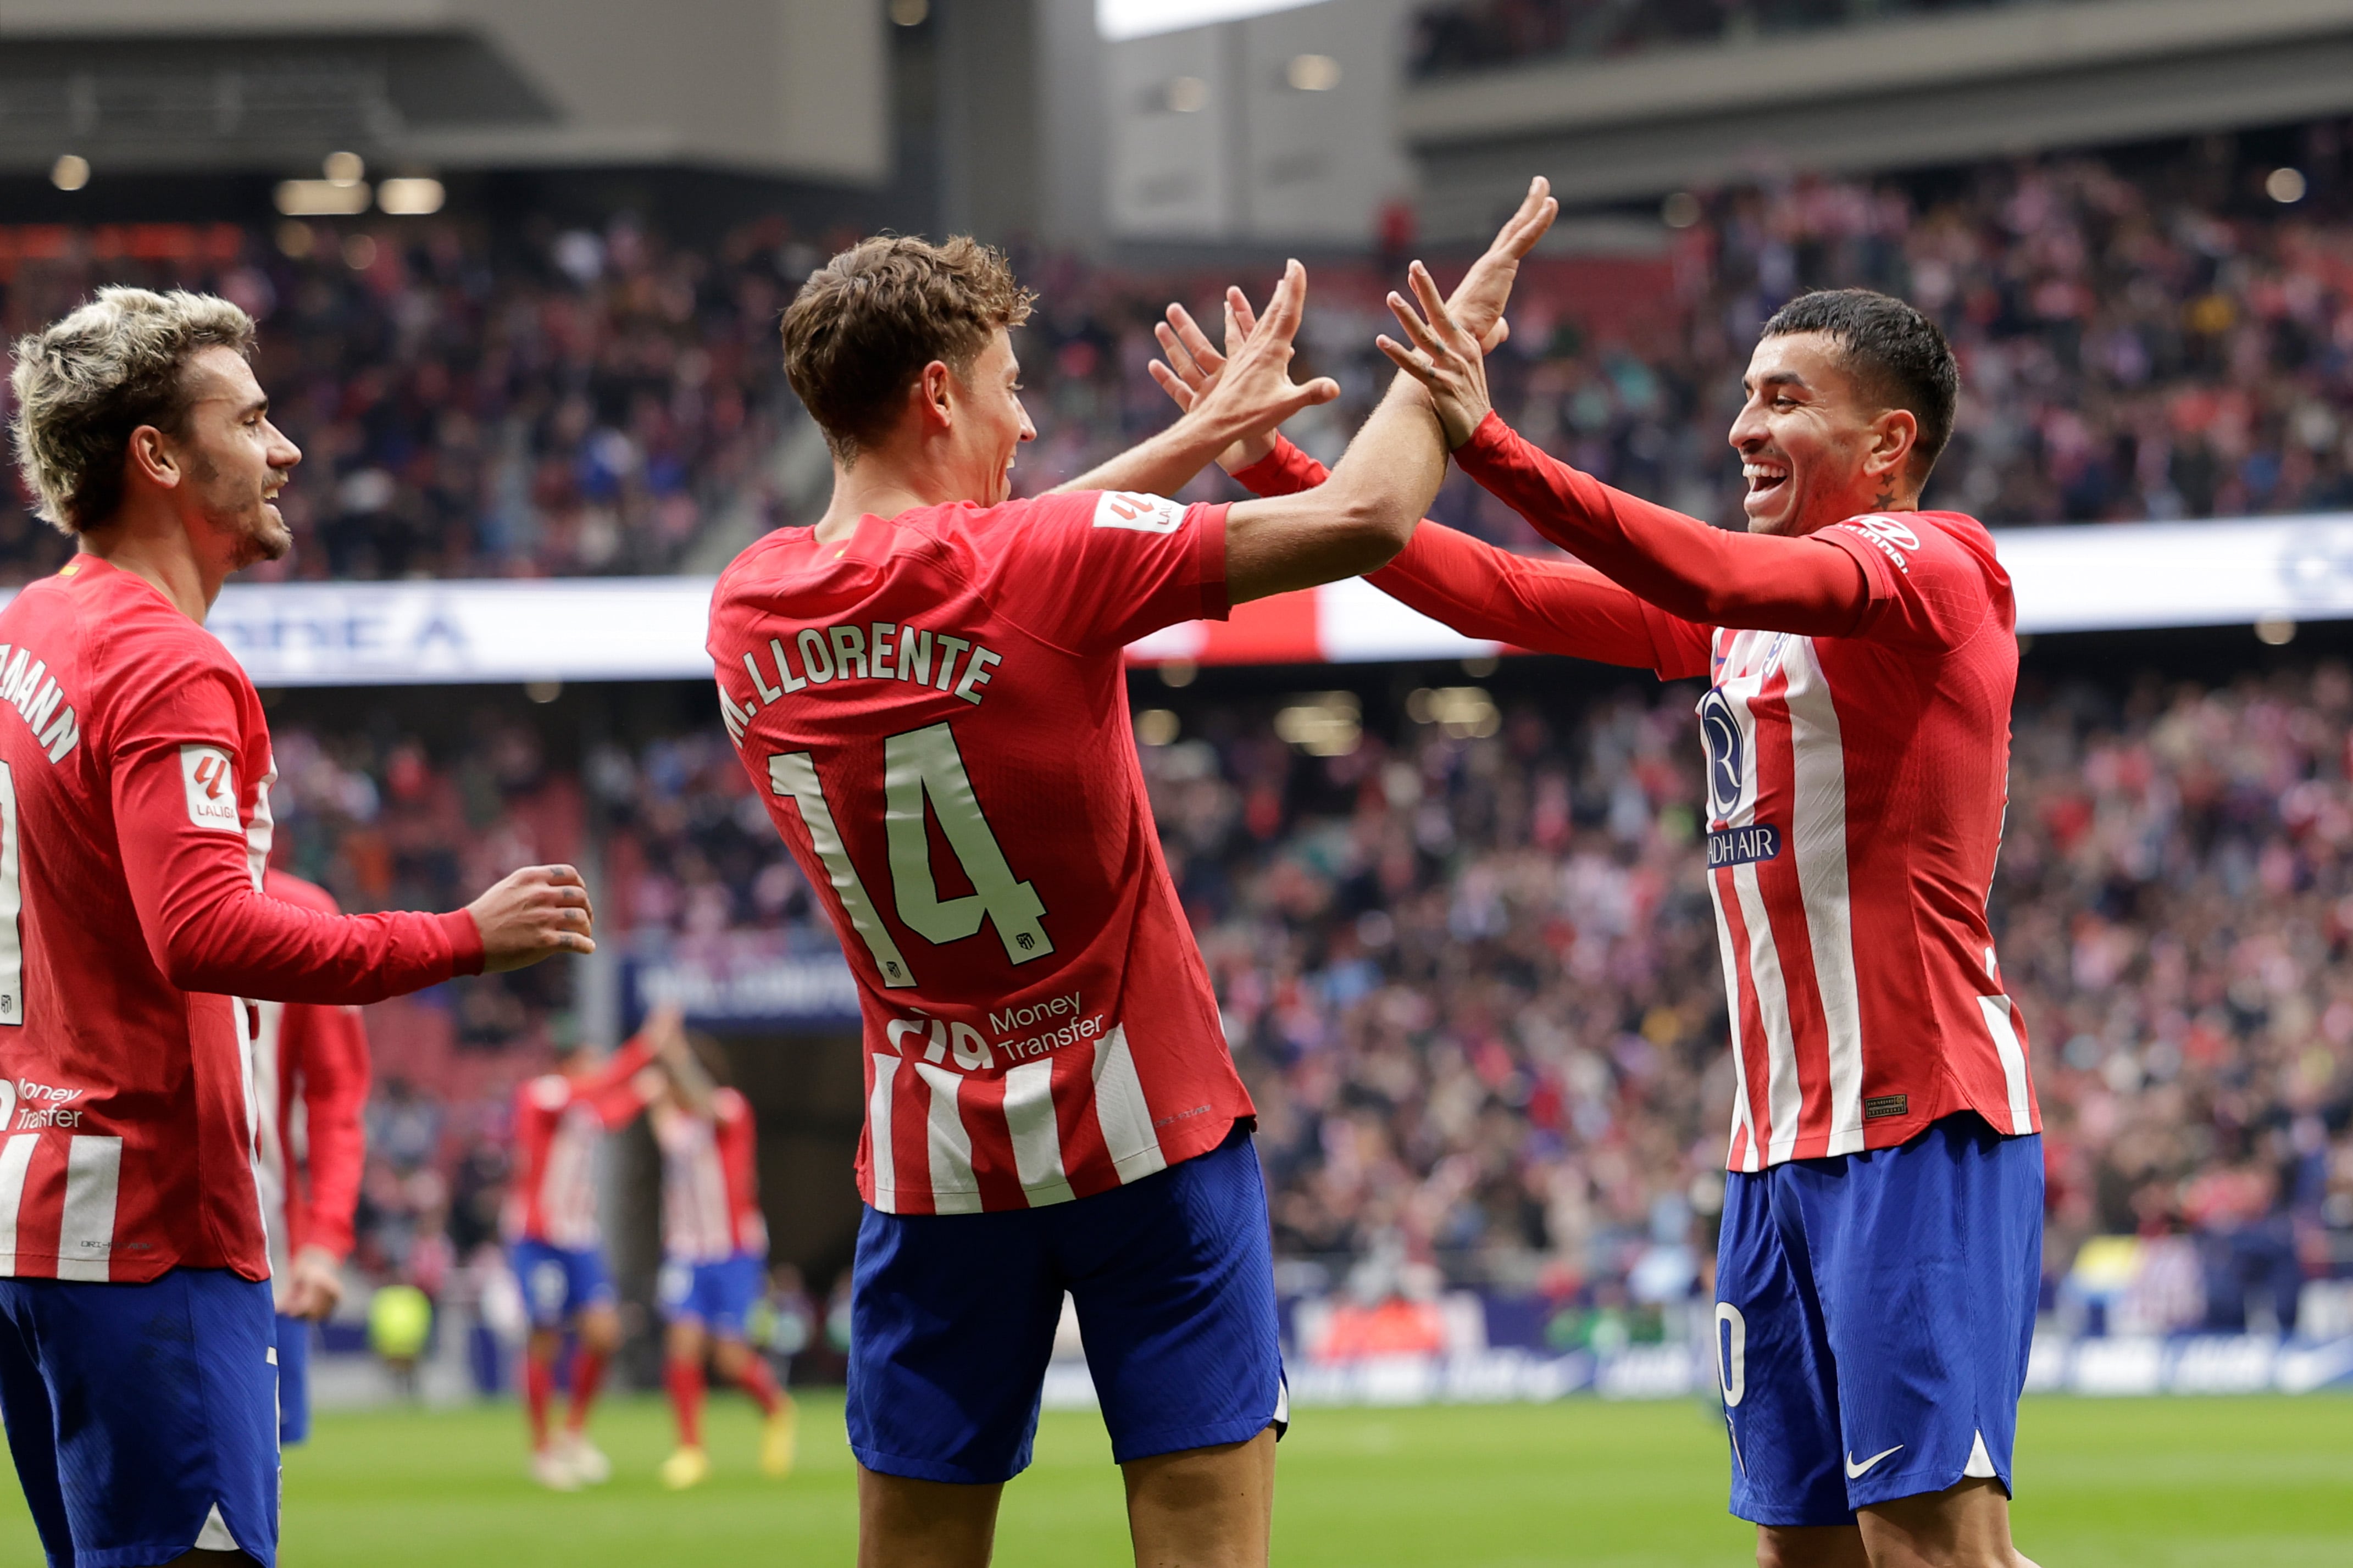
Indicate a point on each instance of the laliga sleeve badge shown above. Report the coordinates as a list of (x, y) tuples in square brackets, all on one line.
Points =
[(1140, 514), (211, 781)]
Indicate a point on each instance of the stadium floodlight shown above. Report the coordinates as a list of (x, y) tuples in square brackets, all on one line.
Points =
[(410, 197), (323, 198), (70, 172), (1120, 19), (2285, 186), (343, 168)]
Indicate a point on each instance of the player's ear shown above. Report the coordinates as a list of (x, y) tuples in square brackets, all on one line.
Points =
[(1893, 435), (935, 392), (149, 455)]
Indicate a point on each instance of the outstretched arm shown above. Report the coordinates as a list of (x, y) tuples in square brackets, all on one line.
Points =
[(1546, 607), (1759, 582), (1813, 587)]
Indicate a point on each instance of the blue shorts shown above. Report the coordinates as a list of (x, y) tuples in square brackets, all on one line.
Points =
[(559, 1282), (294, 1379), (718, 1295), (952, 1320), (142, 1418), (1873, 1315)]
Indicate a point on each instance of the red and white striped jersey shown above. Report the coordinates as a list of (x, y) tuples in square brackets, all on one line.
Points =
[(311, 1079), (1856, 786), (559, 1120), (711, 1181), (134, 823), (935, 710)]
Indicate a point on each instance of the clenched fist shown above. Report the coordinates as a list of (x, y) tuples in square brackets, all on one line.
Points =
[(534, 913)]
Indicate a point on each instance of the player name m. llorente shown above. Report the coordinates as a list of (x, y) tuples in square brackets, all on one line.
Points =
[(868, 651)]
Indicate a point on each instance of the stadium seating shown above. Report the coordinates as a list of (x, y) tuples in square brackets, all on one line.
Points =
[(2151, 337)]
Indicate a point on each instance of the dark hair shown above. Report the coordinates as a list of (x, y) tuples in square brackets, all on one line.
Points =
[(1898, 354), (867, 323)]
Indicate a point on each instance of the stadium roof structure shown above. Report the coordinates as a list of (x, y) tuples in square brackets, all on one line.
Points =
[(2118, 578)]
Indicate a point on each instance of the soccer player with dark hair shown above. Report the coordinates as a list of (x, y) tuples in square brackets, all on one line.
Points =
[(1880, 1252), (136, 1335), (928, 688)]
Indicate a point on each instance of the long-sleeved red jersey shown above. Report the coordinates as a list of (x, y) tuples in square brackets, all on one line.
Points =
[(311, 1077), (1857, 738), (558, 1118), (134, 823)]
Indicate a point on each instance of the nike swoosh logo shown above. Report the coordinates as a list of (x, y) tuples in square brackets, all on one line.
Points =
[(1855, 1472)]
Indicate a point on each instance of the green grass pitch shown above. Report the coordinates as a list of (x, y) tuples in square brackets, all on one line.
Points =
[(2156, 1483)]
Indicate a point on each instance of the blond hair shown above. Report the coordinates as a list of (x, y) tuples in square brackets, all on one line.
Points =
[(867, 323), (84, 384)]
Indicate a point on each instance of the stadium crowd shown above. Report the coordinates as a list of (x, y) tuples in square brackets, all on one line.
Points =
[(1467, 965), (2145, 336)]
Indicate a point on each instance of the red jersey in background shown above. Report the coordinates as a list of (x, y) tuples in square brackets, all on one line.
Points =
[(711, 1181), (558, 1122), (935, 710), (310, 1078)]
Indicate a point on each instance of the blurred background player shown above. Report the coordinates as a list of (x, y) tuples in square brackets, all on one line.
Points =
[(555, 1244), (134, 827), (1863, 658), (310, 1078), (1043, 1054), (714, 1254)]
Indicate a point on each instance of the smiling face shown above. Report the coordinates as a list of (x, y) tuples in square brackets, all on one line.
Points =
[(1815, 448), (985, 421), (233, 462)]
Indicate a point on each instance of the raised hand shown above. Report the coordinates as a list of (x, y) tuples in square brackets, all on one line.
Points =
[(1445, 357), (1246, 388), (1192, 364), (534, 913), (1478, 302)]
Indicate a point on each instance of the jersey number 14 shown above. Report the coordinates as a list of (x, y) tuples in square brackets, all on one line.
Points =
[(918, 765)]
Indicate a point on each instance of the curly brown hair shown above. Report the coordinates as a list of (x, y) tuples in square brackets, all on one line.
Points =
[(867, 323)]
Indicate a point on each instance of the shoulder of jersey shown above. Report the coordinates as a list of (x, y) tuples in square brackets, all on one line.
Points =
[(288, 889), (133, 616)]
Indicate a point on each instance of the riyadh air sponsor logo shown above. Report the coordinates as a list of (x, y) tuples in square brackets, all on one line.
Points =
[(1719, 731), (1855, 1472), (1141, 513), (1743, 846), (211, 781)]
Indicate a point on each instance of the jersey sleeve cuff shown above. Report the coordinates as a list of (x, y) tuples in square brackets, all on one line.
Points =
[(1878, 576), (1284, 471), (1489, 445), (465, 941), (1209, 542)]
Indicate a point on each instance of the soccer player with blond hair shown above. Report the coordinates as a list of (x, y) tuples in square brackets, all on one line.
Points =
[(928, 688), (137, 1376)]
